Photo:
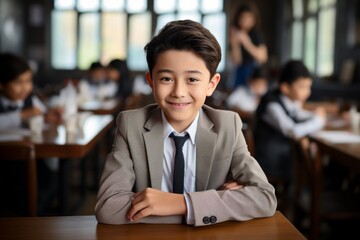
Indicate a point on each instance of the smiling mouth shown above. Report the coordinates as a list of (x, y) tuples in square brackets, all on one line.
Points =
[(178, 104)]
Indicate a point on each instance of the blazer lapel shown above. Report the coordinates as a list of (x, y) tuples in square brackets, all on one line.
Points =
[(205, 146), (154, 144)]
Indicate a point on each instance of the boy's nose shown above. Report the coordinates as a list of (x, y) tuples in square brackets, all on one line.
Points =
[(179, 89)]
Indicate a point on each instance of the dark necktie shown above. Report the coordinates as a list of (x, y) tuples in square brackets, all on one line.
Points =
[(11, 108), (179, 166)]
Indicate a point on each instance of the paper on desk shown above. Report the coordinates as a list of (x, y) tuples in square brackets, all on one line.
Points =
[(13, 134), (339, 136)]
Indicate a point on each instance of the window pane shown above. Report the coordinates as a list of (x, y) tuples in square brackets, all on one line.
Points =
[(324, 3), (312, 6), (296, 36), (326, 42), (162, 20), (136, 6), (113, 36), (113, 5), (139, 36), (188, 5), (63, 39), (164, 6), (88, 5), (89, 40), (217, 26), (189, 15), (310, 44), (210, 6), (64, 4), (297, 8)]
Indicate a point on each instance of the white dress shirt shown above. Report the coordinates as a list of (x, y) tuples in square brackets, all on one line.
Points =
[(189, 151), (277, 118), (10, 120), (243, 98)]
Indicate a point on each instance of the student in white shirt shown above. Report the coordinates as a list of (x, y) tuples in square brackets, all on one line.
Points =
[(280, 116), (17, 103), (245, 99)]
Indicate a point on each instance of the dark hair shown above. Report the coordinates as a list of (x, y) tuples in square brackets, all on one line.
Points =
[(120, 66), (96, 65), (259, 72), (246, 7), (292, 70), (185, 35), (11, 66)]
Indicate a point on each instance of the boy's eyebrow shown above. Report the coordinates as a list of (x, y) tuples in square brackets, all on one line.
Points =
[(170, 71)]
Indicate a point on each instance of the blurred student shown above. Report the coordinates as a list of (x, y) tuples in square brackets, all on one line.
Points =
[(118, 74), (245, 99), (17, 106), (17, 103), (96, 85), (280, 116), (247, 47)]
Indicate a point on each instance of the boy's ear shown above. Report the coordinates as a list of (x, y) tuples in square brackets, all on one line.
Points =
[(284, 88), (149, 79), (213, 84)]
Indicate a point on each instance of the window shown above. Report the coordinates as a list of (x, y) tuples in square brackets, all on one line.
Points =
[(313, 34), (84, 31), (209, 13)]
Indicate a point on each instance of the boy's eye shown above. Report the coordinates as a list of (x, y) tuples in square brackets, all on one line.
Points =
[(165, 79), (193, 80)]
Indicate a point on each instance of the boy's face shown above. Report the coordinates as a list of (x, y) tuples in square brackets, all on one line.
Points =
[(299, 90), (19, 88), (259, 86), (180, 84), (98, 75)]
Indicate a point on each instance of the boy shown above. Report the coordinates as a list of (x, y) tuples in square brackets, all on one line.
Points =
[(280, 117), (221, 181), (17, 104), (245, 99)]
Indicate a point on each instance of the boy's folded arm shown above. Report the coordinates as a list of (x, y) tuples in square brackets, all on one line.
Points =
[(239, 205), (115, 196)]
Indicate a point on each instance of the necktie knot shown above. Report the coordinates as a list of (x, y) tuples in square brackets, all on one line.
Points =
[(179, 141)]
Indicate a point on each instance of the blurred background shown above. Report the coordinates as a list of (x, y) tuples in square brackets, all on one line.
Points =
[(61, 38)]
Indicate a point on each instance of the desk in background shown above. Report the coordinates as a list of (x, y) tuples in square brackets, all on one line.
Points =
[(56, 142), (111, 106), (87, 228)]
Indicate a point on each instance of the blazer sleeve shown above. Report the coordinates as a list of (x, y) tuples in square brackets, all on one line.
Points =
[(256, 199), (117, 183)]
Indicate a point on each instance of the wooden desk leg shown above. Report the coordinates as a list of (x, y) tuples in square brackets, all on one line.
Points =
[(316, 192), (63, 186), (32, 188)]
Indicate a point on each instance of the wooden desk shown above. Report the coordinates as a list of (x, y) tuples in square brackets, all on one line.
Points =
[(87, 228), (111, 106), (56, 142), (347, 154)]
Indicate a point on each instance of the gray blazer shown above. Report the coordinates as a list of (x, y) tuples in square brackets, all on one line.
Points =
[(136, 161)]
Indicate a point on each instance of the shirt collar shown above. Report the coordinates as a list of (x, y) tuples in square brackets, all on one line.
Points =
[(291, 106), (7, 102), (191, 130)]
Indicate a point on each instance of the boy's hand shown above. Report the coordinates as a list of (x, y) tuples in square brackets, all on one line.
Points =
[(54, 116), (29, 113), (320, 112), (155, 202), (231, 186)]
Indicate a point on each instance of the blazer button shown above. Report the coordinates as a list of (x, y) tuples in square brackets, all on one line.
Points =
[(206, 220), (213, 219)]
